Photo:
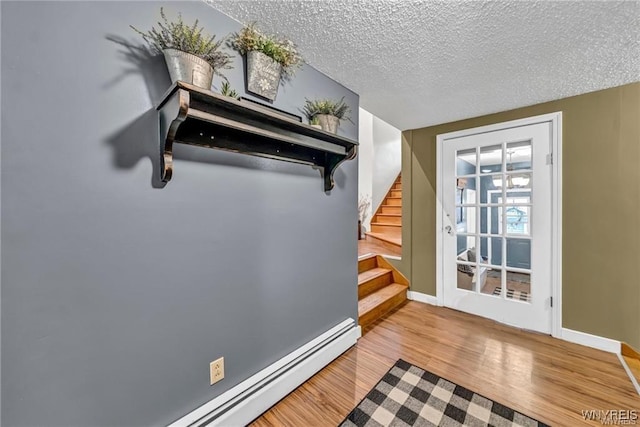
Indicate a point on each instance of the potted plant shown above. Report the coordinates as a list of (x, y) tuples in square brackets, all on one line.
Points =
[(227, 90), (328, 113), (191, 55), (268, 59), (315, 122)]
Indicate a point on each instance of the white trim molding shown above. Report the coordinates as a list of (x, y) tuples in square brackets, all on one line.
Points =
[(556, 222), (439, 222), (246, 401), (629, 373), (420, 297), (593, 341)]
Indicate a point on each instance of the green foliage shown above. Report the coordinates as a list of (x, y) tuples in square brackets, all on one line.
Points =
[(314, 120), (340, 109), (226, 90), (281, 50), (189, 39)]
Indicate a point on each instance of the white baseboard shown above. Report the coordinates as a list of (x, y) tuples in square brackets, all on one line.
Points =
[(629, 373), (246, 401), (420, 297), (593, 341)]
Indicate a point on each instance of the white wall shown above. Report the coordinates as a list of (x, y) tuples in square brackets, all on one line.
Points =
[(365, 159), (387, 159), (380, 159)]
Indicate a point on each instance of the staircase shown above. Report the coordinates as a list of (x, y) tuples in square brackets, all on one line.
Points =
[(386, 224), (381, 288), (632, 359)]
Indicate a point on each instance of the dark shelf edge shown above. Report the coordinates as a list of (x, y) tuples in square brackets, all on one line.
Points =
[(196, 116)]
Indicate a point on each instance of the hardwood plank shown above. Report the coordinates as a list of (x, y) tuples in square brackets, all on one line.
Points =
[(634, 366), (393, 237), (631, 356), (384, 209), (388, 219), (393, 201), (373, 273), (371, 245), (378, 303), (372, 280), (383, 228), (397, 276), (546, 378), (629, 351), (366, 263)]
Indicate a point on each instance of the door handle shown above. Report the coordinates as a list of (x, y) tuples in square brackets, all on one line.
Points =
[(448, 230)]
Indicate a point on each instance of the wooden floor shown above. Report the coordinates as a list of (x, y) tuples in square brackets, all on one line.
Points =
[(545, 378), (369, 245)]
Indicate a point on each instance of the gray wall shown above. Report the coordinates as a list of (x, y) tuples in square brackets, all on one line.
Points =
[(116, 295)]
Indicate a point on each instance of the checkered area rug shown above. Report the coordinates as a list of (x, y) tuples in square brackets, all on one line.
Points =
[(410, 396), (519, 295)]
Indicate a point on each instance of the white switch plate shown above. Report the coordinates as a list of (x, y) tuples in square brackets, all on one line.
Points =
[(216, 370)]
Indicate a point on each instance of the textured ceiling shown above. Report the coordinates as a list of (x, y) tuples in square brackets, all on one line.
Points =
[(419, 63)]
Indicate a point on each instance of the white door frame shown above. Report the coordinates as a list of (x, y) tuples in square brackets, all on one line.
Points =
[(555, 119)]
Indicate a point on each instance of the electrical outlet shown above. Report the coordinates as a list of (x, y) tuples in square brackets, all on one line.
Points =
[(216, 370)]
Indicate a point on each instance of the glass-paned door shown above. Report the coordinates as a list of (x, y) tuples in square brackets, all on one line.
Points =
[(496, 236)]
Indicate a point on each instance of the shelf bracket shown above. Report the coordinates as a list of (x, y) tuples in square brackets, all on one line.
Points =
[(331, 164), (172, 115)]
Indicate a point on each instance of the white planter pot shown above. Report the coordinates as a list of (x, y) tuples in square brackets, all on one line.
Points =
[(263, 75), (188, 68), (328, 123)]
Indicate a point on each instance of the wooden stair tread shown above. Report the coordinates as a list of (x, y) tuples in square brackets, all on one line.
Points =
[(387, 209), (386, 223), (367, 263), (634, 366), (633, 363), (380, 247), (627, 350), (377, 298), (386, 237), (368, 275), (387, 219)]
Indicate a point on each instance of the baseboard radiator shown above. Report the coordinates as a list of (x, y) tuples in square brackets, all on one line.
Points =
[(249, 399)]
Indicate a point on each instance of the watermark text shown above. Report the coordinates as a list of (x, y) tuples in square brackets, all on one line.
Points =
[(611, 416)]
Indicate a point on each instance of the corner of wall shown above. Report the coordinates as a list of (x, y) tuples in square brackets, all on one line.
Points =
[(407, 189), (365, 160)]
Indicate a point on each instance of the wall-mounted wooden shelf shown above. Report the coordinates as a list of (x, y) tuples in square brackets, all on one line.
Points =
[(195, 116)]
